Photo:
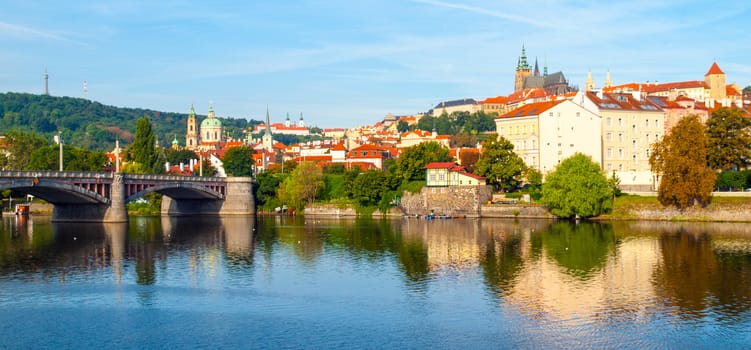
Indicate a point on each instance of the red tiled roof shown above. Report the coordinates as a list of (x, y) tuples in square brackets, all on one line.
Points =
[(478, 177), (440, 165), (497, 99), (339, 147), (615, 101), (714, 69), (531, 109), (676, 85)]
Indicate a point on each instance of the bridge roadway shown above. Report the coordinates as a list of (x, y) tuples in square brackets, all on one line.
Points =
[(103, 197)]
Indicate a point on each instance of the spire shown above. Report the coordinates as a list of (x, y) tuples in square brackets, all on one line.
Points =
[(523, 64), (268, 124), (608, 82), (46, 83), (211, 110), (192, 113), (545, 67), (590, 84), (537, 70)]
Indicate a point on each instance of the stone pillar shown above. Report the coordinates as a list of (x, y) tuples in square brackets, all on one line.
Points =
[(118, 210), (238, 197)]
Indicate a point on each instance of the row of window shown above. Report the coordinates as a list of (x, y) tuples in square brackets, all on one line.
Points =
[(609, 122), (517, 130), (620, 153), (647, 137)]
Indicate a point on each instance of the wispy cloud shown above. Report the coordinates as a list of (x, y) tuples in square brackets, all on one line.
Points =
[(483, 11), (29, 33)]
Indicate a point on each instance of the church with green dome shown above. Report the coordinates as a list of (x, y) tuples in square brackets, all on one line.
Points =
[(210, 133)]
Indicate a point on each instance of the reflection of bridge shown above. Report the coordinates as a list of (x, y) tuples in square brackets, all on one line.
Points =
[(87, 196)]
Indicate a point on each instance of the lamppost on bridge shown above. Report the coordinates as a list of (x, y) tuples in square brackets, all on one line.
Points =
[(59, 140)]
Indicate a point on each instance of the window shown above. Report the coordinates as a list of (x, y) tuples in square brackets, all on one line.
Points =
[(532, 129), (578, 114), (534, 144), (620, 153), (620, 167), (610, 136), (524, 130), (524, 144), (634, 157), (500, 131), (441, 177), (432, 177), (609, 121), (620, 137), (647, 153), (550, 114), (610, 167), (647, 137), (646, 123), (620, 122), (657, 123), (610, 152)]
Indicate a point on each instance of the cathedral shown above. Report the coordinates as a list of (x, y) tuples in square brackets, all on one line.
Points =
[(208, 136), (527, 78)]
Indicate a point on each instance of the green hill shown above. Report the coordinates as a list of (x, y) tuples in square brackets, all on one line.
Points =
[(92, 125)]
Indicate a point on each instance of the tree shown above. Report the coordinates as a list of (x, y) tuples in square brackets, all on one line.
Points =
[(729, 133), (499, 164), (301, 187), (19, 150), (402, 126), (74, 158), (143, 148), (577, 188), (412, 160), (680, 159), (369, 187), (238, 161)]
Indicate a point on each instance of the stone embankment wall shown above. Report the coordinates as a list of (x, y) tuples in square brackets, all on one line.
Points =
[(452, 201), (515, 211), (329, 210), (725, 213)]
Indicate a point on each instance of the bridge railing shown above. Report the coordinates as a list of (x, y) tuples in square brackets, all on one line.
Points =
[(108, 175), (56, 174)]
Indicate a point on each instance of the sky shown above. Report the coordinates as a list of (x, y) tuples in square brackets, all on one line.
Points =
[(348, 63)]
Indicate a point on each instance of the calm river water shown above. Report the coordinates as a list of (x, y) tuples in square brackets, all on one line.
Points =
[(279, 282)]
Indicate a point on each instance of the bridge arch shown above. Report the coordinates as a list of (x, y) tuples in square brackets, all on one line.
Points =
[(178, 191), (56, 192)]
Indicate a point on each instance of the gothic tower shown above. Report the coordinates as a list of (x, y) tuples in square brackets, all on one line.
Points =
[(590, 83), (715, 79), (267, 139), (608, 82), (191, 136), (523, 70)]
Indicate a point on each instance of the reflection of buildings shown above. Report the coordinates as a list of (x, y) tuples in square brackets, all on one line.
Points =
[(625, 283)]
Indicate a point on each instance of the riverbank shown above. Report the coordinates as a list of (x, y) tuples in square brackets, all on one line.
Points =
[(627, 207)]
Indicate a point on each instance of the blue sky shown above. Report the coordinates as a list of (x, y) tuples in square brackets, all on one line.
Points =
[(347, 63)]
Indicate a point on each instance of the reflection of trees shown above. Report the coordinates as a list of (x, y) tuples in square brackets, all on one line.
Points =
[(502, 262), (581, 248), (696, 277)]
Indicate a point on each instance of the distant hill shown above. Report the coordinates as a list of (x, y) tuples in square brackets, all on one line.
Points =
[(92, 125)]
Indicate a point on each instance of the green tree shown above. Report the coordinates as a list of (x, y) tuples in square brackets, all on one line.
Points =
[(74, 159), (680, 159), (143, 149), (412, 160), (179, 156), (402, 126), (238, 161), (577, 188), (369, 187), (499, 164), (301, 187), (19, 150), (729, 132)]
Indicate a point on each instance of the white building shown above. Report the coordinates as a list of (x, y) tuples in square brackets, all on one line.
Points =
[(545, 133)]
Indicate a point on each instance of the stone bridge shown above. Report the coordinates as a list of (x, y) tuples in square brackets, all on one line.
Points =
[(103, 197)]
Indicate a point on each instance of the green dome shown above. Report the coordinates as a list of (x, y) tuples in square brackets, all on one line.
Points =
[(209, 122)]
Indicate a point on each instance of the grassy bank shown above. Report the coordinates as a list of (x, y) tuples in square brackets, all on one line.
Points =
[(631, 207)]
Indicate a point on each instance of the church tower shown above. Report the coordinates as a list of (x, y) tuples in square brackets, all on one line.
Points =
[(267, 139), (523, 70), (590, 83), (608, 82), (191, 136), (715, 79)]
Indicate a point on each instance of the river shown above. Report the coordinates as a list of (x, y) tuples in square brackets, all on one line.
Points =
[(313, 283)]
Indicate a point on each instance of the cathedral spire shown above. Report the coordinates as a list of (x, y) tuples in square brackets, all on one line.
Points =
[(537, 69), (523, 59), (608, 82), (545, 67), (590, 84), (268, 124)]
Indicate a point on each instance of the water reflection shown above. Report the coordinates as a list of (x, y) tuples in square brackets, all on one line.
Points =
[(585, 272)]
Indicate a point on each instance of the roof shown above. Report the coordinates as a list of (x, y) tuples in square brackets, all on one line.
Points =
[(339, 147), (714, 69), (531, 109), (497, 99), (211, 122), (674, 86), (462, 102), (526, 94), (613, 101), (440, 165)]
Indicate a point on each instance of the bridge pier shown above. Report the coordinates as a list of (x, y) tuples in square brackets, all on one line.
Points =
[(238, 200)]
